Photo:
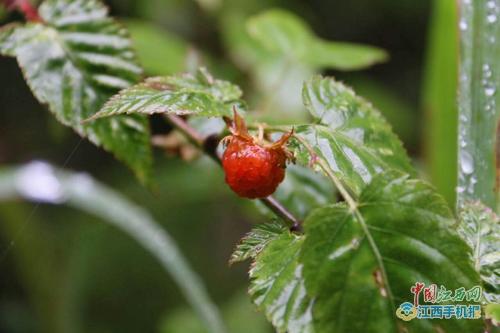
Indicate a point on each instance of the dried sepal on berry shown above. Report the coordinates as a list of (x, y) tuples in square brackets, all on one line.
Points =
[(253, 166), (237, 127)]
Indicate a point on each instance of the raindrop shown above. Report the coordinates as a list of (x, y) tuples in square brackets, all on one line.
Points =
[(470, 189), (463, 25), (490, 91), (491, 18), (460, 189), (466, 163), (487, 72)]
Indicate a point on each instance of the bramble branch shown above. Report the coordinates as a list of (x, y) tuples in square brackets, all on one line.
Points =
[(209, 147)]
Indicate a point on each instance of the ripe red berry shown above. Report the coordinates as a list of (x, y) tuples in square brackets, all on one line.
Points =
[(253, 168)]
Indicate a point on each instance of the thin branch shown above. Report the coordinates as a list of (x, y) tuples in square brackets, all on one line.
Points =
[(276, 207), (196, 138), (209, 146)]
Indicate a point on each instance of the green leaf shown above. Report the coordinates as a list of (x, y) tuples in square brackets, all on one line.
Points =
[(480, 228), (287, 35), (256, 240), (349, 134), (277, 286), (276, 82), (360, 262), (199, 94), (343, 56), (73, 63)]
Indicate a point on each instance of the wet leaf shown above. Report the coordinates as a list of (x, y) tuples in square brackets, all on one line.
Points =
[(277, 285), (349, 134), (480, 228), (256, 240), (73, 62), (199, 94), (360, 263)]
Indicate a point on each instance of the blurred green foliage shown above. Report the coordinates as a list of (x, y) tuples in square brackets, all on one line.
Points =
[(160, 52), (239, 314)]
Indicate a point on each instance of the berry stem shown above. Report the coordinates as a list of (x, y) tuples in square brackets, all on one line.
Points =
[(209, 146)]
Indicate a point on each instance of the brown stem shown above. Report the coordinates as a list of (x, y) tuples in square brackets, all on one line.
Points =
[(25, 7), (209, 146)]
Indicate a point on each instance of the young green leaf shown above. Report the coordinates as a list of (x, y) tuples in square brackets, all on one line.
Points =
[(199, 94), (73, 62), (277, 285), (256, 240), (480, 228), (287, 35), (360, 262), (273, 77), (349, 134)]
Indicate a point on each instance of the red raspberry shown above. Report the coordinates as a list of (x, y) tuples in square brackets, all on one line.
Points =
[(253, 168)]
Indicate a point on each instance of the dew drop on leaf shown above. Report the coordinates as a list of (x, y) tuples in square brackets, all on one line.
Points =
[(466, 163), (490, 91), (463, 25)]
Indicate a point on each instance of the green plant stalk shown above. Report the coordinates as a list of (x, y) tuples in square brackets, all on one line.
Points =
[(478, 101), (440, 96), (84, 193)]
